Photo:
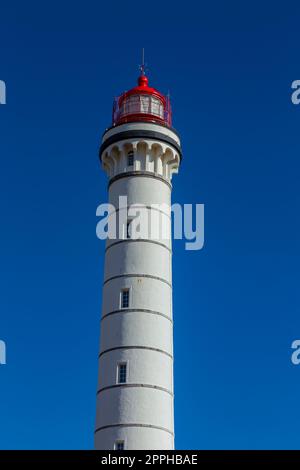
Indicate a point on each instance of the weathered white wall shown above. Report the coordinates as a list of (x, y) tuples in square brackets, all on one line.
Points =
[(142, 289), (149, 330), (136, 405), (138, 258), (159, 439), (158, 371)]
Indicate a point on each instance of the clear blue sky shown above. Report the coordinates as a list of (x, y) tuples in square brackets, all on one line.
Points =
[(229, 67)]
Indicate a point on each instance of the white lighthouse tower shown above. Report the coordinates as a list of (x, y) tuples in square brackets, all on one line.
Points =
[(139, 152)]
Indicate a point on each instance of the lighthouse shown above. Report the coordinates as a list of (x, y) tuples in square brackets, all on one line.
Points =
[(135, 396)]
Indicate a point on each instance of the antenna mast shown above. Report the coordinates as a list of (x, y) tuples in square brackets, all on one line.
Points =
[(143, 66)]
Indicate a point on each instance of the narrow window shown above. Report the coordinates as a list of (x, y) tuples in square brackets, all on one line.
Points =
[(128, 229), (122, 373), (125, 298), (130, 158), (119, 445)]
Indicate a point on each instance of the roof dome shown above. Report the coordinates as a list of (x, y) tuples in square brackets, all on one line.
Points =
[(142, 103)]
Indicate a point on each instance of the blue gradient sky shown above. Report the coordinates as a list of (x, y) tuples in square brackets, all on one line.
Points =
[(229, 67)]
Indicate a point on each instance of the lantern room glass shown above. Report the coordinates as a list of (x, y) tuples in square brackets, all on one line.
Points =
[(142, 104)]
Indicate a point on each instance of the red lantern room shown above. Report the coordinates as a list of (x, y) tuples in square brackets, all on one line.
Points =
[(142, 103)]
